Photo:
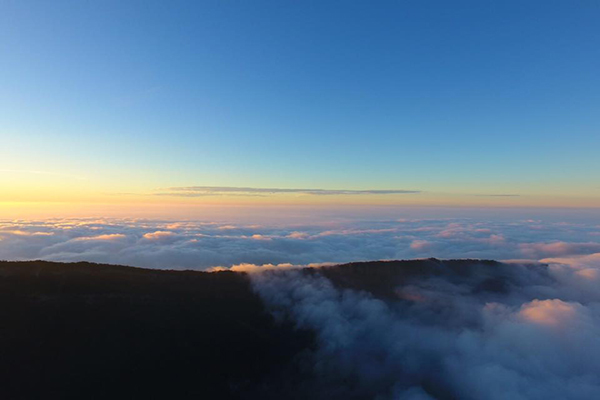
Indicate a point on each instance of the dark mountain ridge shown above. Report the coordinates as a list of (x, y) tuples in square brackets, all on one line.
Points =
[(83, 330), (98, 331)]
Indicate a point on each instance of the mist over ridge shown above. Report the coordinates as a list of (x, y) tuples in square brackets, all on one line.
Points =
[(455, 329)]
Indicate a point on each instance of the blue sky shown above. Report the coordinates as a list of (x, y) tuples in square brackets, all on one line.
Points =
[(466, 97)]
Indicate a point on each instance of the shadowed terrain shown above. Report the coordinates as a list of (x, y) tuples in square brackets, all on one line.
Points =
[(98, 331), (383, 278)]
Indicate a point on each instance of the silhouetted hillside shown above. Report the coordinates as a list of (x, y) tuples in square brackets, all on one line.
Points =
[(99, 331), (382, 278)]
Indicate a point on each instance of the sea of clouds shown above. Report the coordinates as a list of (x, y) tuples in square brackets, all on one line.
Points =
[(442, 338), (203, 244)]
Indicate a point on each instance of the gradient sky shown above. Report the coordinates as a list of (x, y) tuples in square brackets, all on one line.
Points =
[(125, 102)]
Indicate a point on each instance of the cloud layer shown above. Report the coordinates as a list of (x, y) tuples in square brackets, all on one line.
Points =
[(205, 244)]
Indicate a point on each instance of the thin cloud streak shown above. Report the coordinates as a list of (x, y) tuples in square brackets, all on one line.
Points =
[(198, 191), (497, 195)]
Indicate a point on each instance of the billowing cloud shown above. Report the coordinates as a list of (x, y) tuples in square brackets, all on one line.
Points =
[(553, 312), (463, 330)]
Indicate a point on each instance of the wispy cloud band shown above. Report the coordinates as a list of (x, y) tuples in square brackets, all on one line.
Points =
[(193, 191)]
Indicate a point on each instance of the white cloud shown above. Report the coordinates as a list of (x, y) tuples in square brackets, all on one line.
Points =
[(205, 244), (537, 340), (159, 235)]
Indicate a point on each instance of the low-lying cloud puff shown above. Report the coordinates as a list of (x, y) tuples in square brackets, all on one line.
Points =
[(110, 236), (206, 244), (549, 312), (158, 235)]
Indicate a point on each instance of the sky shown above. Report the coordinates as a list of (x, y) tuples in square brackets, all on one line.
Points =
[(220, 133), (188, 104)]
